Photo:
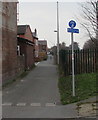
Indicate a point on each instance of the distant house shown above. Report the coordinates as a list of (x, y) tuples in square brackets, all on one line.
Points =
[(24, 31), (42, 49), (36, 46), (9, 41), (25, 44), (42, 45)]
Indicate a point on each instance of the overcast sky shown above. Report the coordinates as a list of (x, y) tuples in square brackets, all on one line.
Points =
[(42, 16)]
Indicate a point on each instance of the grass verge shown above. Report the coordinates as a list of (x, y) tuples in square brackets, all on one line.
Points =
[(85, 87)]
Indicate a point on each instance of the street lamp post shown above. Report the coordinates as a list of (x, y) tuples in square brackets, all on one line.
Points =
[(57, 53), (57, 33)]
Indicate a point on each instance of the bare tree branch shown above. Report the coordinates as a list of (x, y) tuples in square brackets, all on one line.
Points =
[(90, 14)]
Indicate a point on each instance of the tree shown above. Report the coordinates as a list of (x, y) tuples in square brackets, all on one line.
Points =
[(90, 11), (76, 46), (90, 44), (90, 14)]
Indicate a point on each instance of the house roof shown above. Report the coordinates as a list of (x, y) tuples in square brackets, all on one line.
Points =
[(25, 41), (21, 29)]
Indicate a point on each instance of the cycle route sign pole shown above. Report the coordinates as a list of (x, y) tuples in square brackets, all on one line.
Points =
[(72, 24)]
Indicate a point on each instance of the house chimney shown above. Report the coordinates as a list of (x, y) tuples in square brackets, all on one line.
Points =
[(35, 31)]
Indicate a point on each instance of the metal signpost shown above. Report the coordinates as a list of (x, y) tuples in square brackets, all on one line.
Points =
[(72, 24)]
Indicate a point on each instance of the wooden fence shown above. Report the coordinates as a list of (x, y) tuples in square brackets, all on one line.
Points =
[(84, 61)]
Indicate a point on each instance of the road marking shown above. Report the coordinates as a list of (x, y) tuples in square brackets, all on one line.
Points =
[(37, 63), (6, 104), (21, 104), (31, 104), (36, 104), (50, 104)]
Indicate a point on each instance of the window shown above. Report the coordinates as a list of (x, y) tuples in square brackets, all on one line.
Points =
[(18, 50)]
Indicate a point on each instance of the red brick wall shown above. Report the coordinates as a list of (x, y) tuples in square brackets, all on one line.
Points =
[(28, 34), (20, 64), (28, 51), (9, 51), (29, 56), (9, 42), (36, 46)]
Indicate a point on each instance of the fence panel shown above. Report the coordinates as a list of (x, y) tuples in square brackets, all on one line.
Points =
[(84, 61)]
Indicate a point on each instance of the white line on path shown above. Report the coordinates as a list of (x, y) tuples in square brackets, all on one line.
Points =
[(37, 63), (21, 104), (31, 104), (36, 104), (6, 104)]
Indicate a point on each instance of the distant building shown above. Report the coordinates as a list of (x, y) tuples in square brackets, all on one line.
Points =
[(26, 44), (42, 49), (24, 31), (9, 41), (42, 45), (36, 46)]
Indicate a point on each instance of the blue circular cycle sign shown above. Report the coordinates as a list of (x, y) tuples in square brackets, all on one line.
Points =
[(72, 23)]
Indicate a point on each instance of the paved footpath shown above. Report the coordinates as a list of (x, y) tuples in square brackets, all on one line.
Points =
[(36, 95)]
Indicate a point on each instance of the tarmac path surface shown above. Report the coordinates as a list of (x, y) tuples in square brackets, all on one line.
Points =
[(36, 95)]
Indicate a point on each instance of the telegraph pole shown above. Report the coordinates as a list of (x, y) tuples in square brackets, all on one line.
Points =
[(57, 33)]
